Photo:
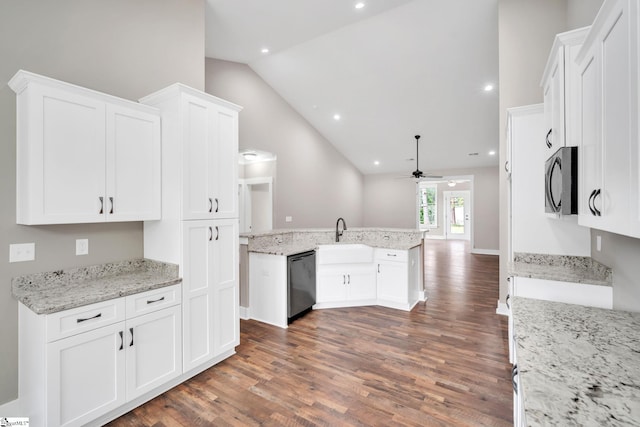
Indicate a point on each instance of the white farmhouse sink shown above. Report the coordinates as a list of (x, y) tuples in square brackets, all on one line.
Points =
[(344, 253)]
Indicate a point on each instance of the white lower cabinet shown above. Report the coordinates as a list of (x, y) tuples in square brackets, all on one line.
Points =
[(79, 364), (349, 284), (399, 277), (210, 290)]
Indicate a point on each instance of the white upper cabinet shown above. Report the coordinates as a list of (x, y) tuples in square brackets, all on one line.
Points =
[(83, 156), (609, 172), (202, 130), (561, 94)]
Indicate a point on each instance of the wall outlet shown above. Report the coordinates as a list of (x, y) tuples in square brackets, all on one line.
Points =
[(19, 252), (288, 219), (598, 243), (82, 246)]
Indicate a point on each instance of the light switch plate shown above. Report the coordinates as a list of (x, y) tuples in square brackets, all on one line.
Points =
[(19, 252), (82, 246), (288, 219)]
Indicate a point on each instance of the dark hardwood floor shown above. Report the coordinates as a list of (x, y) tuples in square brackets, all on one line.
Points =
[(445, 363)]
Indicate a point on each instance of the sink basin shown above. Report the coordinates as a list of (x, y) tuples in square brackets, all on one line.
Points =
[(344, 253)]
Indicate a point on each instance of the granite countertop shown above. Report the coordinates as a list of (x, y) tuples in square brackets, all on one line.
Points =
[(563, 268), (50, 292), (577, 366), (294, 241)]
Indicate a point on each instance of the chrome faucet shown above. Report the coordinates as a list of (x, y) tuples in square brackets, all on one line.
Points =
[(338, 231)]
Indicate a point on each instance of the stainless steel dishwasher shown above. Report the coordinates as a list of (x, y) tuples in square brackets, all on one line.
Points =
[(301, 284)]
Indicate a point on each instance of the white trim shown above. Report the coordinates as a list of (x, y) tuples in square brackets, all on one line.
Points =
[(11, 409), (245, 313), (502, 309), (434, 237), (485, 251), (422, 295)]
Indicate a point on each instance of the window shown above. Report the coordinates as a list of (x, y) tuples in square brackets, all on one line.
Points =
[(427, 205)]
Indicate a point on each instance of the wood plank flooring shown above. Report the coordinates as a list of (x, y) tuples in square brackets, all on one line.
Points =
[(445, 363)]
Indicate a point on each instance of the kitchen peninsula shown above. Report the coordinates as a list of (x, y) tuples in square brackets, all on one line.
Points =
[(368, 266)]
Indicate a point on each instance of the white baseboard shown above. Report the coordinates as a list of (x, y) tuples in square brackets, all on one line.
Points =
[(485, 251), (434, 236), (11, 409), (502, 309), (245, 313), (422, 295)]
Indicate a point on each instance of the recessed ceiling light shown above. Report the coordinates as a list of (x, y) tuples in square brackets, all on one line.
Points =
[(492, 152), (376, 163), (336, 117), (488, 87), (265, 50), (359, 5)]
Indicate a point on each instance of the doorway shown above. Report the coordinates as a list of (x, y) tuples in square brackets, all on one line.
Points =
[(256, 204), (457, 215)]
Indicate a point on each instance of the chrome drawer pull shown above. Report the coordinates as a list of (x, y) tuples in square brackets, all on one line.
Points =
[(155, 300), (89, 318)]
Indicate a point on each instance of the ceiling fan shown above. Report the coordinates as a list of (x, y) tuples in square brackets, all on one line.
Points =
[(418, 174)]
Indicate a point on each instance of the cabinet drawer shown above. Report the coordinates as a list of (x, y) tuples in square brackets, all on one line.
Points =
[(86, 318), (153, 300), (391, 255)]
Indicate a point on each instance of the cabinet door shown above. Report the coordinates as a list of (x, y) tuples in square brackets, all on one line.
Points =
[(197, 295), (198, 129), (85, 375), (554, 105), (60, 157), (331, 285), (361, 283), (590, 148), (392, 282), (225, 168), (154, 350), (133, 164), (613, 200), (226, 315)]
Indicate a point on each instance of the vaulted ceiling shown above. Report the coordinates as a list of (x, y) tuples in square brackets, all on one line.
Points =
[(391, 69)]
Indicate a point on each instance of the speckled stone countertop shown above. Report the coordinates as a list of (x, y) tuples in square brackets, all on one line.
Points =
[(563, 268), (50, 292), (577, 366), (291, 242)]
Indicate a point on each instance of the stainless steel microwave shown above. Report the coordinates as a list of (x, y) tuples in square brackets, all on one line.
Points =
[(561, 182)]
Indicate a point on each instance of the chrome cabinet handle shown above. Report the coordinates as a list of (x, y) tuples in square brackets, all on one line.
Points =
[(590, 202), (155, 300), (217, 232), (506, 166), (210, 233), (131, 332), (596, 194), (121, 340), (217, 205), (378, 268), (392, 254), (344, 279), (111, 202), (549, 144), (101, 205), (349, 281), (88, 318), (506, 301), (210, 205), (514, 374)]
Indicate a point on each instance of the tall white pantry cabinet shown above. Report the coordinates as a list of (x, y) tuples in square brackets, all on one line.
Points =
[(199, 226)]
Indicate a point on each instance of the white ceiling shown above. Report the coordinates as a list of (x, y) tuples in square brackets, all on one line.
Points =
[(393, 69)]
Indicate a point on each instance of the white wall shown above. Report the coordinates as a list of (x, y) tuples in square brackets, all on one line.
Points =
[(121, 47), (315, 184)]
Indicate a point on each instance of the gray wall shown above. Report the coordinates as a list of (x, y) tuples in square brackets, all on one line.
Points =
[(121, 47), (314, 183), (526, 32), (391, 202)]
